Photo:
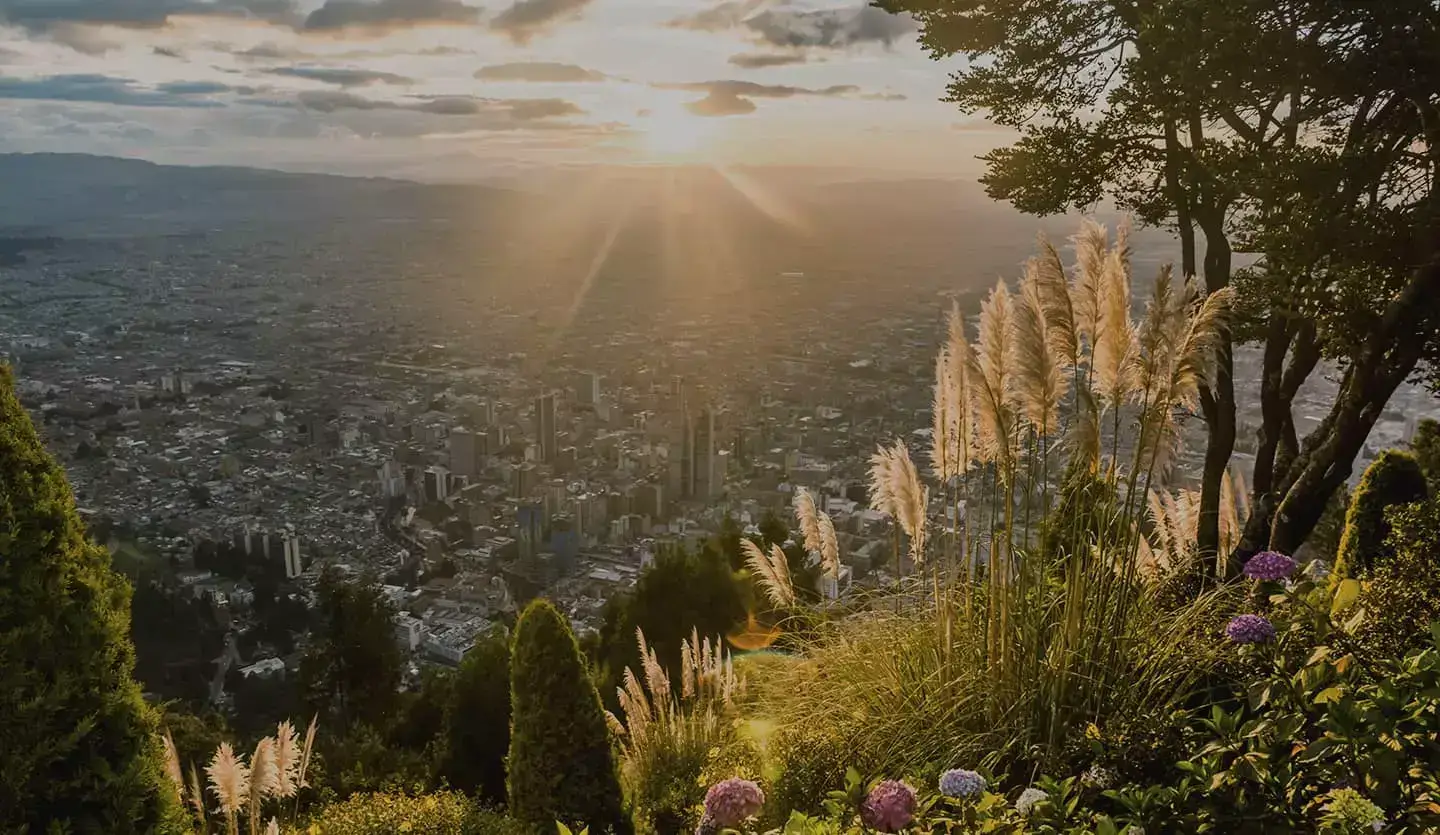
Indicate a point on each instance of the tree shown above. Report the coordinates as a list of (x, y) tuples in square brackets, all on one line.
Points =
[(81, 747), (1393, 479), (353, 667), (1426, 448), (562, 766), (679, 593), (1225, 117), (477, 720)]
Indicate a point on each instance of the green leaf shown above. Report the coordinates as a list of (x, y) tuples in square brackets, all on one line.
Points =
[(1346, 594), (1330, 694)]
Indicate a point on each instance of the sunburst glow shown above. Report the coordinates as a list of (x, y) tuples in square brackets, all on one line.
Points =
[(675, 135)]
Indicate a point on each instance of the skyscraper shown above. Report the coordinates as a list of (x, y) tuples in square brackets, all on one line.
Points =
[(706, 479), (587, 388), (464, 455), (545, 438)]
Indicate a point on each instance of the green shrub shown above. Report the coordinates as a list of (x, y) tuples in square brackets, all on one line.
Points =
[(562, 767), (79, 748), (442, 813), (1401, 597), (1394, 478)]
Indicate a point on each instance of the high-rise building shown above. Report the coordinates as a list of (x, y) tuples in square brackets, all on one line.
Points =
[(545, 437), (437, 484), (529, 528), (294, 566), (707, 478), (523, 480), (587, 388), (464, 453)]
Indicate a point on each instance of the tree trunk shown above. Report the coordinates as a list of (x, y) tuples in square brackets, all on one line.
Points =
[(1383, 363), (1277, 447), (1217, 400)]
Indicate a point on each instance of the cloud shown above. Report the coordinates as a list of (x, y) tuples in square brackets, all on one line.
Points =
[(193, 88), (47, 16), (733, 98), (388, 15), (726, 15), (342, 77), (519, 110), (761, 60), (108, 90), (721, 104), (168, 52), (796, 28), (538, 71), (527, 18)]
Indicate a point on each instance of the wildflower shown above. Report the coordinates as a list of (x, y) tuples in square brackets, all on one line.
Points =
[(1269, 565), (730, 803), (890, 806), (1099, 777), (1347, 810), (1028, 800), (958, 782), (1250, 629)]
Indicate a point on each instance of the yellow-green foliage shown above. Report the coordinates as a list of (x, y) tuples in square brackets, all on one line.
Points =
[(443, 813), (1393, 479), (79, 748), (1402, 596)]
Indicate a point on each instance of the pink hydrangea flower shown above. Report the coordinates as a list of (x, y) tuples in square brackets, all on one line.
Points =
[(890, 806)]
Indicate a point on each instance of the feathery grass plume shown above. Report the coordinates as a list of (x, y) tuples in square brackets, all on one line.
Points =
[(172, 766), (829, 546), (230, 783), (881, 499), (994, 415), (773, 570), (1190, 365), (1039, 381), (942, 457), (1116, 347), (1158, 332), (806, 515), (911, 498), (1230, 522), (262, 780), (197, 798), (1083, 439), (273, 827), (1049, 272), (1092, 244), (961, 408), (287, 760), (307, 749), (656, 679)]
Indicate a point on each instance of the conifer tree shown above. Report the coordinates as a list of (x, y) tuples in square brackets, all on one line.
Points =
[(477, 720), (79, 748), (562, 767)]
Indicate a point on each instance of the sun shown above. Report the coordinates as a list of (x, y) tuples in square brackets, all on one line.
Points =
[(676, 135)]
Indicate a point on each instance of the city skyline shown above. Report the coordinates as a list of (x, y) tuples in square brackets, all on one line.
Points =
[(445, 89)]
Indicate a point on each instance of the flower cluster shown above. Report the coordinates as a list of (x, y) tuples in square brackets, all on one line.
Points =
[(1028, 800), (1250, 629), (1270, 565), (1350, 810), (958, 782), (730, 803), (890, 806), (1099, 777)]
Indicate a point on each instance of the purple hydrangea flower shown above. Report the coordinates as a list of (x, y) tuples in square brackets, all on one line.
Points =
[(890, 806), (730, 803), (1269, 565), (1250, 629), (958, 782)]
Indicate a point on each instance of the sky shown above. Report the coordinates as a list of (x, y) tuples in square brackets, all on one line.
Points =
[(457, 90)]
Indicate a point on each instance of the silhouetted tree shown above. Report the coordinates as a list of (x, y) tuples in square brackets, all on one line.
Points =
[(477, 720), (352, 669)]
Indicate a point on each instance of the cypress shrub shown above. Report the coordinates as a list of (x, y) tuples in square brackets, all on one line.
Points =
[(561, 764), (79, 750), (477, 720), (1394, 478)]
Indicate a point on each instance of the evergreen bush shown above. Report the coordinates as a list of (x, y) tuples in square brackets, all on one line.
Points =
[(477, 720), (561, 764), (79, 750), (1402, 596), (1394, 478)]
